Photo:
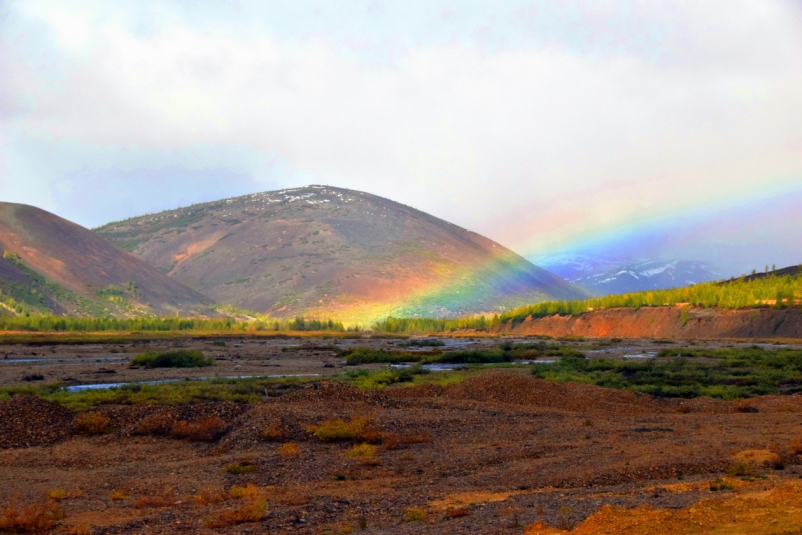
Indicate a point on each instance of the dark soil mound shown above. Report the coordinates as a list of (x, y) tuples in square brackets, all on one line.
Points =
[(31, 421), (524, 390), (333, 391)]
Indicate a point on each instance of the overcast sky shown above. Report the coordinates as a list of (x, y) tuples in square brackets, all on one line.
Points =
[(655, 128)]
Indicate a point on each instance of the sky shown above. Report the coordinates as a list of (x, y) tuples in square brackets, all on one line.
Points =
[(653, 129)]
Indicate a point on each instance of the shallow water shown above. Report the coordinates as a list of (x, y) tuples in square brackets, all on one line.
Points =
[(105, 386)]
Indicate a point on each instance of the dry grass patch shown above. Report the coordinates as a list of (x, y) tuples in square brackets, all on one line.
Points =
[(365, 453), (253, 512), (275, 433), (397, 441), (155, 424), (289, 450), (240, 468), (91, 423), (120, 494), (58, 494), (81, 529), (249, 491), (206, 430), (337, 429), (415, 514), (34, 518), (209, 496)]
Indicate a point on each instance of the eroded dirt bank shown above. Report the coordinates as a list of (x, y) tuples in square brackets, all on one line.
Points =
[(492, 454), (670, 322)]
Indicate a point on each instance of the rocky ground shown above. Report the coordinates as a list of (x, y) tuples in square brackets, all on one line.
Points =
[(497, 453)]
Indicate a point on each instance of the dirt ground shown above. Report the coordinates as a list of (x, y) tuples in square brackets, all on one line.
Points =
[(501, 452)]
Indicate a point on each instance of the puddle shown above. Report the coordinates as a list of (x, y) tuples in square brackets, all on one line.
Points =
[(649, 355), (460, 365), (105, 386), (54, 361)]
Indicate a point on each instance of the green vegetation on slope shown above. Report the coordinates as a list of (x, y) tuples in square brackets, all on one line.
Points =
[(688, 373), (768, 291)]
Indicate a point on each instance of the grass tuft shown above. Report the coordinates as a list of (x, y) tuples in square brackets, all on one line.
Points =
[(179, 358)]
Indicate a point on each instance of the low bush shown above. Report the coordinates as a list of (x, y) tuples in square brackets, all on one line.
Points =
[(209, 495), (153, 501), (362, 451), (253, 512), (397, 441), (81, 529), (34, 518), (206, 430), (179, 358), (289, 450), (250, 491), (91, 423), (415, 514), (240, 468), (337, 429), (120, 495), (154, 424), (57, 494), (275, 433), (742, 468)]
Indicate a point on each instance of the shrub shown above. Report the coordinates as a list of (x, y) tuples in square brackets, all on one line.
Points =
[(337, 429), (120, 494), (240, 468), (209, 495), (205, 430), (415, 514), (34, 518), (155, 424), (372, 435), (248, 491), (399, 441), (289, 450), (275, 433), (742, 468), (179, 358), (795, 446), (80, 529), (152, 501), (91, 423), (362, 451), (57, 494), (253, 512)]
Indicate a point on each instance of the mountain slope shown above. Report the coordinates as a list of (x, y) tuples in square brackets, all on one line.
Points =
[(328, 251), (52, 265)]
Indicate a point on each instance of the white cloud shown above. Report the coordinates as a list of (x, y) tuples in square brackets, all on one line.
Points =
[(540, 124)]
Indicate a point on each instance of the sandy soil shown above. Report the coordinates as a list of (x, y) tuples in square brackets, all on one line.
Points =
[(495, 454)]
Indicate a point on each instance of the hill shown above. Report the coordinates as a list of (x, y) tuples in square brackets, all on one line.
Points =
[(328, 251), (51, 265)]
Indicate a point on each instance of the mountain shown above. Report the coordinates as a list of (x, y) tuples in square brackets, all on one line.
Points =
[(326, 251), (51, 265), (646, 275), (576, 266)]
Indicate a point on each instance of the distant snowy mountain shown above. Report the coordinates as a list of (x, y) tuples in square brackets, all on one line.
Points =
[(613, 274)]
